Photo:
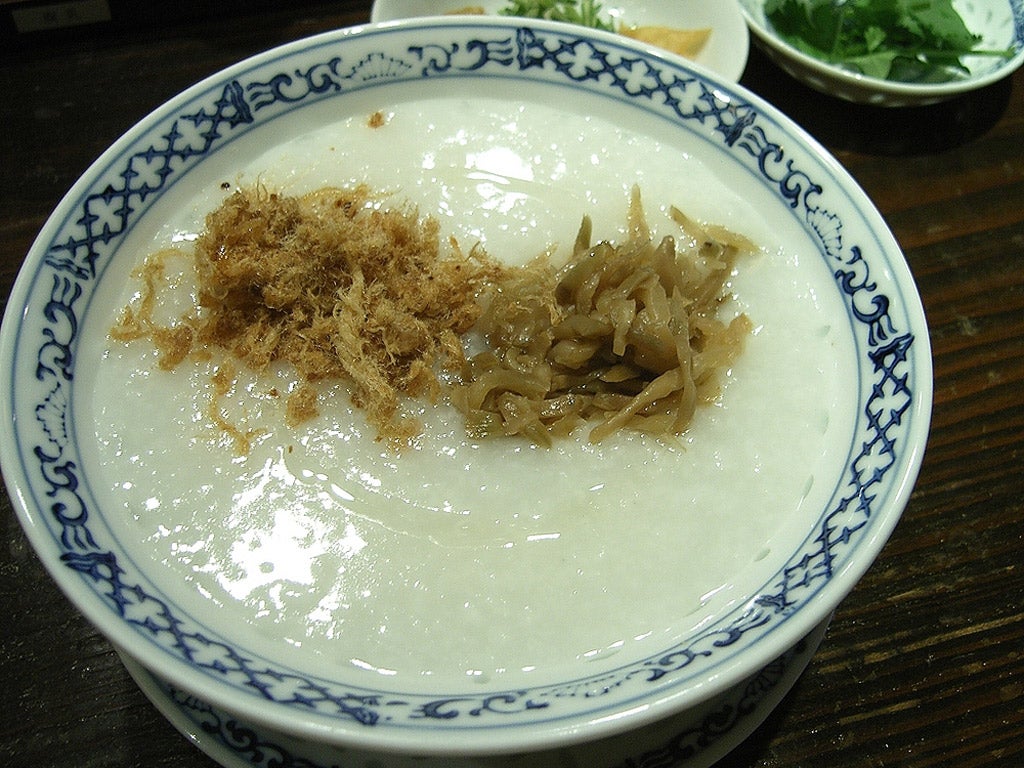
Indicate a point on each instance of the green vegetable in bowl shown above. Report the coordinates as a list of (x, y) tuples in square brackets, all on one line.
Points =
[(584, 12), (906, 40)]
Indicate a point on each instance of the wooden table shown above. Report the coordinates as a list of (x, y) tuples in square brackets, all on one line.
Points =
[(924, 662)]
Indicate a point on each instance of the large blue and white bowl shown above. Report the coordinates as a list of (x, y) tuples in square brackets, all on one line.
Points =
[(654, 576)]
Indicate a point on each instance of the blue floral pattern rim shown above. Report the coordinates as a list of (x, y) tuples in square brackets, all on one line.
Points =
[(696, 738), (43, 325)]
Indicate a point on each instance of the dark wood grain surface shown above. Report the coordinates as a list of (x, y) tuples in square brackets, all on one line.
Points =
[(923, 664)]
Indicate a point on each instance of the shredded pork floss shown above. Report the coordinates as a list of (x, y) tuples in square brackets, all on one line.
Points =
[(337, 288)]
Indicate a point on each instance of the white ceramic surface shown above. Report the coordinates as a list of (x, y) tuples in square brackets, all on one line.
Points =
[(999, 22), (725, 52), (777, 180)]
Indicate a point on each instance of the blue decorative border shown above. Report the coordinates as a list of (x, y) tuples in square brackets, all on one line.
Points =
[(729, 718), (1017, 8), (100, 218)]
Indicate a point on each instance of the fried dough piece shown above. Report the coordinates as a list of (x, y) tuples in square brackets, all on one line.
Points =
[(684, 42)]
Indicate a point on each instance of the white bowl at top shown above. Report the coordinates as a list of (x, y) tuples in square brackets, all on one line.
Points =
[(1000, 23), (465, 597), (725, 52)]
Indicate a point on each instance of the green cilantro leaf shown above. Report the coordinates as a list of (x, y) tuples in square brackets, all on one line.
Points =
[(908, 40), (586, 13)]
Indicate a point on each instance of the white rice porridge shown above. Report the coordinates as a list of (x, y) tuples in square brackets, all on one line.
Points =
[(495, 558)]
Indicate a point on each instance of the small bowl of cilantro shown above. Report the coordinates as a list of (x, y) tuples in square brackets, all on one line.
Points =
[(891, 52)]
